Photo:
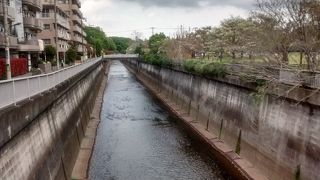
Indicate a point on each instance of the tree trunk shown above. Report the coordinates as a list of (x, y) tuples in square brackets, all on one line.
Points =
[(285, 56), (233, 55)]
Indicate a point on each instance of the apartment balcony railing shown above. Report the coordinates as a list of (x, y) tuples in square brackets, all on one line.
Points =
[(19, 89), (11, 12), (77, 38), (76, 19), (64, 36), (80, 49), (76, 9), (33, 23), (34, 4), (84, 34), (63, 21), (29, 45), (77, 29), (13, 41), (77, 2)]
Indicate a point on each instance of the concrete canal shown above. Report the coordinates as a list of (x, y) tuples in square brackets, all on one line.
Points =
[(139, 139)]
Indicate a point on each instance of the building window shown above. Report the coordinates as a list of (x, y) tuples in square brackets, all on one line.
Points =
[(47, 41), (46, 26), (45, 13)]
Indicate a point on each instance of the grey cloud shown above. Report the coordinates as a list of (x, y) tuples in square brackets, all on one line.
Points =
[(194, 3)]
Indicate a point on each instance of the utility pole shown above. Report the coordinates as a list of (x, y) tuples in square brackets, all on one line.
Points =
[(153, 28), (56, 33), (6, 37)]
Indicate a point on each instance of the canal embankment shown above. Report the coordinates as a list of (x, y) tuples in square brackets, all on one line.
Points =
[(276, 137), (81, 167), (41, 136)]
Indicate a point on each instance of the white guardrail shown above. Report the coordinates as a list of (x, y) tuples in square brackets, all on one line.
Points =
[(18, 89)]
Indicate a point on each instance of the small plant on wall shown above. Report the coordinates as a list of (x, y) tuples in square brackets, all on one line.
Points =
[(238, 147)]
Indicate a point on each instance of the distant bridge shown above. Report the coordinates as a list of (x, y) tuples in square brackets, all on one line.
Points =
[(121, 56)]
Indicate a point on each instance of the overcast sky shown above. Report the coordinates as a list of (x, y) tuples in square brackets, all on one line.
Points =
[(123, 17)]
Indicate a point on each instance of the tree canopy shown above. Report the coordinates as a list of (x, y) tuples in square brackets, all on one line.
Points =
[(121, 44), (98, 39)]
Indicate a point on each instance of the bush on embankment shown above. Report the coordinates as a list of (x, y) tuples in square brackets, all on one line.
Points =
[(205, 68), (158, 60)]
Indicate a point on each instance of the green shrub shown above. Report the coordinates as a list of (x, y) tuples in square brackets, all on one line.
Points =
[(189, 65), (215, 70), (157, 60), (71, 55), (199, 67), (50, 52)]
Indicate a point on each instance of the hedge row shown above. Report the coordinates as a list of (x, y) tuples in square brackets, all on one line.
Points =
[(205, 68)]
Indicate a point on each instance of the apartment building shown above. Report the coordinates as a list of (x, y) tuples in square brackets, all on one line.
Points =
[(69, 25), (24, 25), (72, 8), (48, 35)]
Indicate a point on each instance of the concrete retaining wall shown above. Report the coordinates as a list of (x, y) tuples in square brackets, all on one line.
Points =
[(40, 139), (278, 134)]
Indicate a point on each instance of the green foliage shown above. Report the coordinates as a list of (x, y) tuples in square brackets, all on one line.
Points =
[(238, 147), (213, 69), (139, 50), (260, 93), (158, 60), (98, 39), (221, 128), (121, 44), (50, 52), (71, 55), (155, 42)]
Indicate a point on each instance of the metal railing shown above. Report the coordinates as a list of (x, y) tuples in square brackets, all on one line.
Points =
[(18, 89)]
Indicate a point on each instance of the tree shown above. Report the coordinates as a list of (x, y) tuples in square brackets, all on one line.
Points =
[(50, 52), (293, 27), (155, 42), (98, 39), (71, 55), (121, 44)]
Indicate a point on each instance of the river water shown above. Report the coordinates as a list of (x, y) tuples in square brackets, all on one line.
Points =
[(139, 140)]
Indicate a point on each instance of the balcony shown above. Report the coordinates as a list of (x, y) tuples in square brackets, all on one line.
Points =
[(76, 9), (13, 41), (64, 36), (63, 21), (11, 12), (77, 39), (76, 19), (80, 49), (77, 2), (33, 23), (77, 29), (30, 45), (32, 4)]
